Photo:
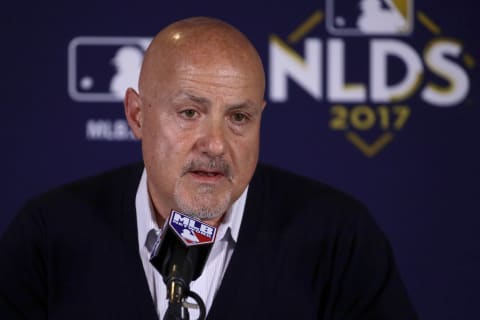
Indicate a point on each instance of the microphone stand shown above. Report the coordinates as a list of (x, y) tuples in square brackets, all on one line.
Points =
[(176, 295), (178, 289)]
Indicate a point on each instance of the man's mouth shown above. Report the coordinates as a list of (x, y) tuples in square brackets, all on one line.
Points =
[(207, 173), (205, 176)]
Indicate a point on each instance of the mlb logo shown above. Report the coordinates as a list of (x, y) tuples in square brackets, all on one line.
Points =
[(100, 69), (369, 17), (190, 230)]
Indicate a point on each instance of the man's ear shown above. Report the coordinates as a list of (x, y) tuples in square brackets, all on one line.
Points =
[(134, 112)]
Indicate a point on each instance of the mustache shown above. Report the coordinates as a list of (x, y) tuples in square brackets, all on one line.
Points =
[(214, 164)]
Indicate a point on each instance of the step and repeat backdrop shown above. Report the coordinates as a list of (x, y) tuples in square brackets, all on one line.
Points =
[(377, 97)]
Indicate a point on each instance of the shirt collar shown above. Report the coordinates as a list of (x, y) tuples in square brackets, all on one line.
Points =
[(227, 230), (146, 220), (233, 219)]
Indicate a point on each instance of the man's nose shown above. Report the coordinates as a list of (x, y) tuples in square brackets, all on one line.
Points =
[(213, 138)]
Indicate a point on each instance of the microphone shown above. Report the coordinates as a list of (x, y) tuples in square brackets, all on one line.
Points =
[(180, 254)]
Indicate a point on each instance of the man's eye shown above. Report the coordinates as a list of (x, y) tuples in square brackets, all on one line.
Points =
[(189, 113), (239, 117)]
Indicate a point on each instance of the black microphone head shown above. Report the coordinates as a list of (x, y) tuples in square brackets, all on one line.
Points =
[(183, 248)]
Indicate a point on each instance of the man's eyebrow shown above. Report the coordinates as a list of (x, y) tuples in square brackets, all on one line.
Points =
[(244, 105), (192, 97)]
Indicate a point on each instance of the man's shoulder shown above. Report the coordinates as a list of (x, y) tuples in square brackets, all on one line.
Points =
[(98, 188), (89, 207), (285, 181), (296, 193)]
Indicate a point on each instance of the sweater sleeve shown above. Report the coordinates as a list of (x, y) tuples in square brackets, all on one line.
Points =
[(370, 287), (23, 289)]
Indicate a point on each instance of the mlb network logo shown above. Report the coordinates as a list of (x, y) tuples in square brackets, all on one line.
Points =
[(369, 17), (190, 230), (100, 69)]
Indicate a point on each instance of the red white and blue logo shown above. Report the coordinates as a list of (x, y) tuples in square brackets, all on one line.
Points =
[(190, 230)]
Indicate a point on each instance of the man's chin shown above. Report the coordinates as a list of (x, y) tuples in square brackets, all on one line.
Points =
[(202, 212), (206, 201), (204, 207)]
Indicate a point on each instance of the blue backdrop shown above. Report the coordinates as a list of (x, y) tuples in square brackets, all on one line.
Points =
[(377, 98)]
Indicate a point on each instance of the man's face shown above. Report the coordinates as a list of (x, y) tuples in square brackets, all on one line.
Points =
[(200, 136)]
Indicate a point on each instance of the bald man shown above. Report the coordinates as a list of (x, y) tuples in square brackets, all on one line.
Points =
[(287, 247)]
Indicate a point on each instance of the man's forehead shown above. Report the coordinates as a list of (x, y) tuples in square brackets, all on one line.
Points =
[(192, 64), (210, 75)]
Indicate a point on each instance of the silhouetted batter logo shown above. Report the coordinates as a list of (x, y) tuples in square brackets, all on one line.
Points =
[(369, 17), (100, 69)]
